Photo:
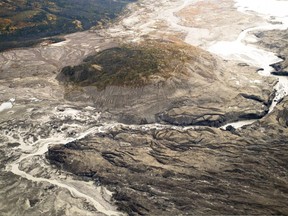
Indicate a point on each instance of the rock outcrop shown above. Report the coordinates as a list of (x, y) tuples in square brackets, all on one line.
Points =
[(276, 41), (188, 171)]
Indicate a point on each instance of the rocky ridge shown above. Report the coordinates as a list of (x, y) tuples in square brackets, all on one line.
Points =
[(199, 170)]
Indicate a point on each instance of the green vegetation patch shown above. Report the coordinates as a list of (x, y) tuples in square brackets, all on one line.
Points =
[(26, 20), (127, 65)]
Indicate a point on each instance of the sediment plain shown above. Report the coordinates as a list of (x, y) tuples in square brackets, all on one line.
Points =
[(152, 144)]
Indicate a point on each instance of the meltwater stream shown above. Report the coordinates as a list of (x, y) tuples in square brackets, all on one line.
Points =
[(42, 147), (276, 15), (31, 150), (239, 49)]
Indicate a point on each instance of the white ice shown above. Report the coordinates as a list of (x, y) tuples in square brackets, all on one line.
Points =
[(7, 105)]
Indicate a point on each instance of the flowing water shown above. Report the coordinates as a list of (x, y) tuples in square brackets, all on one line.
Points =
[(240, 50)]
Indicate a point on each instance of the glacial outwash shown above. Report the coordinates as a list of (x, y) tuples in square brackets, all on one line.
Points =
[(161, 108)]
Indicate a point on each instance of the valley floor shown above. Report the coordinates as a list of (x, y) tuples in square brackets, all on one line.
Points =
[(159, 148)]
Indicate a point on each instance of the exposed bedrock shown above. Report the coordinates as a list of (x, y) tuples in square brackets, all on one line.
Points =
[(276, 41), (168, 82), (194, 171)]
